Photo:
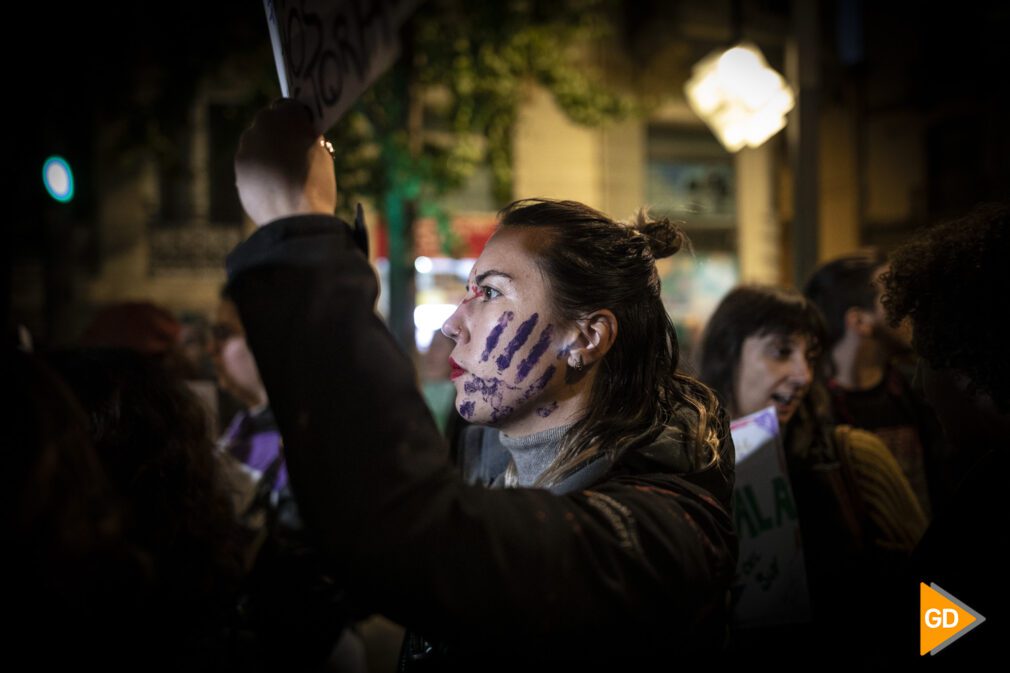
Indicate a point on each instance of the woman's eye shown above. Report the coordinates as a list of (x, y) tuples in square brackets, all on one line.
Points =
[(488, 292)]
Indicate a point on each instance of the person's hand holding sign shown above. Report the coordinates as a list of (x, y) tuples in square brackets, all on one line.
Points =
[(282, 167)]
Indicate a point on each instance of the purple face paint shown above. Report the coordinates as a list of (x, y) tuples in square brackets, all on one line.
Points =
[(499, 413), (495, 335), (486, 387), (535, 353), (499, 396), (544, 412), (491, 390), (539, 384), (522, 334)]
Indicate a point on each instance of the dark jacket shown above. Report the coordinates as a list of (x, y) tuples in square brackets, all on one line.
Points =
[(636, 563)]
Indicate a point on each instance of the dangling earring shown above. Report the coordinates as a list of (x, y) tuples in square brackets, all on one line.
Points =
[(579, 365)]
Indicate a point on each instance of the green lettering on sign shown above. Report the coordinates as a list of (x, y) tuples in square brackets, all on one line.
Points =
[(783, 500), (748, 513)]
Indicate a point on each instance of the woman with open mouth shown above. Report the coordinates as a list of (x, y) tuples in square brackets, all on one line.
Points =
[(858, 516)]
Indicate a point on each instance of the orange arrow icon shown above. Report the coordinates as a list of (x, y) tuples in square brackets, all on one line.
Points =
[(942, 619)]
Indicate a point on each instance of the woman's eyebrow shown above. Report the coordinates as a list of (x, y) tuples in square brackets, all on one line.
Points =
[(780, 341), (491, 272)]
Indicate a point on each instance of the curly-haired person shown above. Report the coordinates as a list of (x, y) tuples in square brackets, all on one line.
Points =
[(948, 282)]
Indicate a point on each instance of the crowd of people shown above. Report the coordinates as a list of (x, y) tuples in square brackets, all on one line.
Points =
[(586, 515)]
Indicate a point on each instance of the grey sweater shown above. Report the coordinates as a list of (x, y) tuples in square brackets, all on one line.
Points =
[(532, 454)]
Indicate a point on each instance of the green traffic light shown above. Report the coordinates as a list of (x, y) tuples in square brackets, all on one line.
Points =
[(58, 178)]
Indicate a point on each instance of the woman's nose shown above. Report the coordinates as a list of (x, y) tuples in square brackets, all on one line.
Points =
[(802, 372), (453, 327)]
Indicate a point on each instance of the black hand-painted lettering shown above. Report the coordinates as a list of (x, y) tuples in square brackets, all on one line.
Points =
[(330, 78), (348, 51), (312, 20)]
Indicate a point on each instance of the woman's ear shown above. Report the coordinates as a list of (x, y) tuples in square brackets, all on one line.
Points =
[(597, 332)]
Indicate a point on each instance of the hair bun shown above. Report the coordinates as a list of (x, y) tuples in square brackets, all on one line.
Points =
[(665, 237)]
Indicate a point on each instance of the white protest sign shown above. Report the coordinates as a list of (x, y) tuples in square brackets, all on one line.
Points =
[(328, 53), (771, 581)]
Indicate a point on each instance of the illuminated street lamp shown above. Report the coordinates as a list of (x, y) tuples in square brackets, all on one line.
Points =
[(741, 98)]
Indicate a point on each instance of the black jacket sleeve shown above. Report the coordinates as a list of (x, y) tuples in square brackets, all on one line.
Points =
[(635, 558)]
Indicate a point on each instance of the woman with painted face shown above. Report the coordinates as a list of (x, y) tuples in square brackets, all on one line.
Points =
[(564, 348), (605, 534), (858, 515)]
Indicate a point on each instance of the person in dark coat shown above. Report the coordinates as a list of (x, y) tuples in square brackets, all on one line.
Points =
[(950, 282), (611, 539)]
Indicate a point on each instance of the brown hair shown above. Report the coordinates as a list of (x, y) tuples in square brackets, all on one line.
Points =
[(593, 262)]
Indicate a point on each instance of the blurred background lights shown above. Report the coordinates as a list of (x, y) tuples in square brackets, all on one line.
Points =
[(58, 178), (428, 319), (739, 96), (423, 265)]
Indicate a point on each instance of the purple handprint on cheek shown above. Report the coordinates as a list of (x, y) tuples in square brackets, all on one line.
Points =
[(495, 398), (495, 335), (522, 335), (539, 348)]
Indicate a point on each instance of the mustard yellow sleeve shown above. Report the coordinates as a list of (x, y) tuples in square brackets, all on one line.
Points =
[(888, 502)]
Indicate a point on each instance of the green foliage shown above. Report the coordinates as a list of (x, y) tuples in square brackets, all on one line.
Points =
[(467, 66)]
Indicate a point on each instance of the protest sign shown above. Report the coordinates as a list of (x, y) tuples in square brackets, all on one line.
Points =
[(771, 582), (328, 53)]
